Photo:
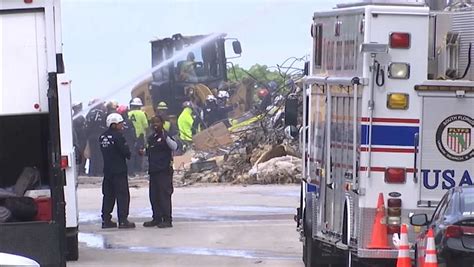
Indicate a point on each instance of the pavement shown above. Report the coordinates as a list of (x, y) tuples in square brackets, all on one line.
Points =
[(213, 225)]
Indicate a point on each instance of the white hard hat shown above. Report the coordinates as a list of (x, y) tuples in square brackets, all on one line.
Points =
[(211, 98), (223, 94), (136, 102), (187, 104), (113, 118)]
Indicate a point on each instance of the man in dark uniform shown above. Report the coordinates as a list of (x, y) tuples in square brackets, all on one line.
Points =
[(160, 167), (115, 151), (95, 126)]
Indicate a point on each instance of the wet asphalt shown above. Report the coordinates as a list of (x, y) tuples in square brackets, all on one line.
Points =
[(214, 225)]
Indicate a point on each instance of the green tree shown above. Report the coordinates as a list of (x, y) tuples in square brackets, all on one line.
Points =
[(260, 73)]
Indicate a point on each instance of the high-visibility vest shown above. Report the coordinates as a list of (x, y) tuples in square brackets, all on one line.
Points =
[(167, 126), (139, 121), (185, 124)]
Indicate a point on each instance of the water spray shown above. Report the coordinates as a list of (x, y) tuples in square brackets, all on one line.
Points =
[(148, 73)]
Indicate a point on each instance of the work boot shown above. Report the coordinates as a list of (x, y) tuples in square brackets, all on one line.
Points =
[(165, 224), (109, 224), (151, 223), (126, 224)]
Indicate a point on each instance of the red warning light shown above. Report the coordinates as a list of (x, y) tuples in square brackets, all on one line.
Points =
[(400, 40)]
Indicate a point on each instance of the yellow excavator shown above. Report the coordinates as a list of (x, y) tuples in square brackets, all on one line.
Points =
[(209, 74)]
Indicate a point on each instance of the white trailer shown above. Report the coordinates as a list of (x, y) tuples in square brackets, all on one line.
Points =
[(389, 108), (35, 117)]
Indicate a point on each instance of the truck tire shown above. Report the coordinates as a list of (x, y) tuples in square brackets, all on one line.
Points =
[(309, 251), (310, 248), (72, 247)]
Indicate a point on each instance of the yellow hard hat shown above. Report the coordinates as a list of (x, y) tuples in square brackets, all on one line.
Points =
[(162, 106)]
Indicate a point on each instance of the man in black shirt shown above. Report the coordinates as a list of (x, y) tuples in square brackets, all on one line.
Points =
[(115, 151), (160, 168), (96, 124)]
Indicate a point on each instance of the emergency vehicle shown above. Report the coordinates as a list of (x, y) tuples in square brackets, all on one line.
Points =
[(389, 109), (36, 123)]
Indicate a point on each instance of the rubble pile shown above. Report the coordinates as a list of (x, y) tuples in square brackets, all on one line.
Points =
[(256, 157), (259, 146)]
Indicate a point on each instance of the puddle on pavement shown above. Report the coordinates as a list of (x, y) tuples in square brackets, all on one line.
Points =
[(92, 240), (97, 241), (205, 213)]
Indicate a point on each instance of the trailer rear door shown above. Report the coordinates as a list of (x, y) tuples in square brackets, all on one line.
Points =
[(446, 145), (23, 65)]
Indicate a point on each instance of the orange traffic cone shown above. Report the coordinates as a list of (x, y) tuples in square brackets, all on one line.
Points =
[(379, 230), (430, 252), (403, 249)]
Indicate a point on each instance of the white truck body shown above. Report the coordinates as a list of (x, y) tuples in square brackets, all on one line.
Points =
[(355, 143), (31, 84)]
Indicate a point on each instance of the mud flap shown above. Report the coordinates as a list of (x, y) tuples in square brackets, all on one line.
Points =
[(35, 240)]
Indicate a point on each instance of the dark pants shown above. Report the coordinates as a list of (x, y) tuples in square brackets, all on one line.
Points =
[(115, 187), (161, 189)]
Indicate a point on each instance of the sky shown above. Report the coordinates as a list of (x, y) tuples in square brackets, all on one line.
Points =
[(106, 42)]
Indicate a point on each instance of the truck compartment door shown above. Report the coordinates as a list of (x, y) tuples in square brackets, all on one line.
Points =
[(23, 72), (446, 146)]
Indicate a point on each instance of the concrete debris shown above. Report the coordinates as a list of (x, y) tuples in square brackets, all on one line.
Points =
[(260, 146), (254, 159), (281, 170), (201, 166)]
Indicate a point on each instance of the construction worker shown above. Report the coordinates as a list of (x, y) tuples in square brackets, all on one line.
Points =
[(96, 124), (265, 97), (185, 123), (128, 129), (80, 136), (210, 110), (187, 72), (140, 123), (222, 97), (111, 106), (162, 110), (160, 146), (115, 151)]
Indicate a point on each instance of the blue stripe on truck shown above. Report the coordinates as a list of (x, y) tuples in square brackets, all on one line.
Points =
[(389, 135)]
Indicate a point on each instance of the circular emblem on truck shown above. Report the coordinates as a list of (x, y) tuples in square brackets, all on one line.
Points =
[(454, 137)]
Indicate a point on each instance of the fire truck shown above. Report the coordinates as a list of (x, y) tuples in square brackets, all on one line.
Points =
[(36, 122), (388, 119)]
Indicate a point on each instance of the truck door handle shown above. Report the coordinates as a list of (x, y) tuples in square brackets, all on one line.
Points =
[(348, 174), (415, 157)]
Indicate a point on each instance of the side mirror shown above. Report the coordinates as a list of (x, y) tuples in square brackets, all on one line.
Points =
[(237, 48), (419, 220), (306, 68), (291, 111)]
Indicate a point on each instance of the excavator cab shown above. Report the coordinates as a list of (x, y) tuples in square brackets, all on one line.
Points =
[(186, 63)]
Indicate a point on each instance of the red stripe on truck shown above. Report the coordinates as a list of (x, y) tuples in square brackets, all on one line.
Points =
[(392, 120)]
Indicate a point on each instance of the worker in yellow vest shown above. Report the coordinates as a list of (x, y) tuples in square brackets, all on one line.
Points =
[(162, 110), (186, 122), (140, 123)]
